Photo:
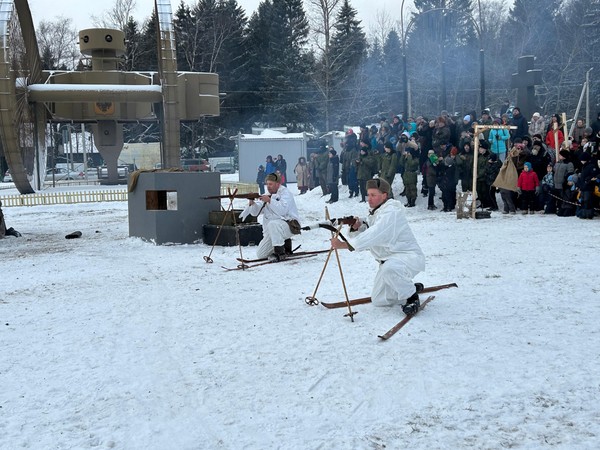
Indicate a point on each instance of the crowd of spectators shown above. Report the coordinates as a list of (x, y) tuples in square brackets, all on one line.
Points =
[(529, 163)]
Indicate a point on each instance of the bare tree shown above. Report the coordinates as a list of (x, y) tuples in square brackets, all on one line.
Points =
[(57, 41), (384, 23), (117, 16), (322, 21)]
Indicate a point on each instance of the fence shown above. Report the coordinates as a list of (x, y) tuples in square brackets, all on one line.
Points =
[(120, 195)]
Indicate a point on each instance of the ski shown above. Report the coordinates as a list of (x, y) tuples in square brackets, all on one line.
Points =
[(404, 321), (365, 300), (244, 266), (293, 255)]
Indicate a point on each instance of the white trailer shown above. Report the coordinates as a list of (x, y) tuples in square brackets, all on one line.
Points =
[(254, 149)]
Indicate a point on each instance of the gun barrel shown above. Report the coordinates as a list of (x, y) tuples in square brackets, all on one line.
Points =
[(251, 196)]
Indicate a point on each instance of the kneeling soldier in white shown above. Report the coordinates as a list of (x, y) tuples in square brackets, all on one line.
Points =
[(387, 235), (280, 219)]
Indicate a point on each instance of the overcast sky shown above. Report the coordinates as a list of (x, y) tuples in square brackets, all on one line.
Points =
[(81, 11)]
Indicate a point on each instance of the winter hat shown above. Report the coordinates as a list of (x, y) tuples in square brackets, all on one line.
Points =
[(448, 161), (350, 131), (536, 114), (585, 157), (333, 152), (380, 184), (493, 157), (565, 154), (261, 167), (467, 118), (528, 165), (273, 177), (453, 151), (433, 158), (497, 121)]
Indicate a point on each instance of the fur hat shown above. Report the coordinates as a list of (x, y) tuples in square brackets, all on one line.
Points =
[(380, 184), (273, 177)]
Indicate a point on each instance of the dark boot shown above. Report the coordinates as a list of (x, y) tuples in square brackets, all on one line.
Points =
[(287, 245), (278, 254), (412, 305), (12, 232)]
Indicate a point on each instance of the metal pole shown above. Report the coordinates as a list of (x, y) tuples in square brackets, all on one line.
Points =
[(443, 39), (482, 76), (404, 68), (587, 98), (479, 29), (474, 185), (84, 150), (70, 155), (405, 85)]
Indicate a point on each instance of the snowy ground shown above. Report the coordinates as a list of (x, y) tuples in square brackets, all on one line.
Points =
[(112, 342)]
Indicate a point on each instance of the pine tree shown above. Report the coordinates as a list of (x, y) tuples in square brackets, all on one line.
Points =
[(148, 55), (392, 72), (282, 68), (133, 43), (186, 37), (348, 51)]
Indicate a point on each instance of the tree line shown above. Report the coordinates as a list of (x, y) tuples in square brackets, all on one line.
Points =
[(313, 66)]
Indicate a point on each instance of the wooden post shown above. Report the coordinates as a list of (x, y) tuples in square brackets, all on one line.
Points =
[(475, 159), (556, 149), (564, 121)]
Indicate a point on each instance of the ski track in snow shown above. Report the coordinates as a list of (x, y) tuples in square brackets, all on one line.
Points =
[(112, 342)]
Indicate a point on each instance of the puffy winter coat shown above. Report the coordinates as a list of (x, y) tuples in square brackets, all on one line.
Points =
[(498, 140), (528, 180)]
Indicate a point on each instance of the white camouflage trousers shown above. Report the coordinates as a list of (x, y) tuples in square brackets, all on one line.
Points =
[(274, 234), (393, 283)]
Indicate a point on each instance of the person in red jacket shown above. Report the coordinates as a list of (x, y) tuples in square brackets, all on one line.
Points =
[(555, 141), (528, 186)]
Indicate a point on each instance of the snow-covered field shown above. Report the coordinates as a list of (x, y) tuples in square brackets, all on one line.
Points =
[(111, 342)]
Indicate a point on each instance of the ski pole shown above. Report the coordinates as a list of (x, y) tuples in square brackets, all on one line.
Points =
[(208, 259), (312, 300)]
